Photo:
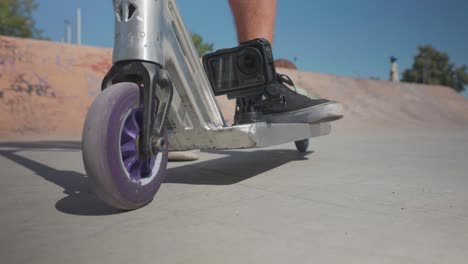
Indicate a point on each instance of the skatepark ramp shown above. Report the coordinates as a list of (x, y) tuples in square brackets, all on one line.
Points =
[(385, 104), (47, 87)]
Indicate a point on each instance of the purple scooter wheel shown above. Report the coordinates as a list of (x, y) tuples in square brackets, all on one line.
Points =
[(118, 175)]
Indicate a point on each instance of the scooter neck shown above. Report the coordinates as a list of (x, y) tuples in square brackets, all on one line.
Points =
[(154, 31)]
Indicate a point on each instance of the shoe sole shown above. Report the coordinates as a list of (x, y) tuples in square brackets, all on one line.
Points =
[(326, 112)]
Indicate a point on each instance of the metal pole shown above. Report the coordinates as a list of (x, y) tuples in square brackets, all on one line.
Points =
[(69, 32), (78, 26)]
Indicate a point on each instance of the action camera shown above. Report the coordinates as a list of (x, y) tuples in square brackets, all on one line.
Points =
[(241, 71)]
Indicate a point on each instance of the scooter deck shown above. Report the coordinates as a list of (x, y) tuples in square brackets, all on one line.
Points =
[(255, 135)]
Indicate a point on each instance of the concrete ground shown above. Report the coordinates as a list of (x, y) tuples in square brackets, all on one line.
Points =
[(373, 198)]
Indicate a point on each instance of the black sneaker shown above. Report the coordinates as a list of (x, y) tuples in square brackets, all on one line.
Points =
[(280, 104)]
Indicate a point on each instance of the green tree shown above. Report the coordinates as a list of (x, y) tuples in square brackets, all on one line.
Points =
[(434, 67), (16, 19), (202, 47)]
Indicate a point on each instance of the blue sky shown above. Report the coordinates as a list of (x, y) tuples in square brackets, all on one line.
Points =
[(344, 37)]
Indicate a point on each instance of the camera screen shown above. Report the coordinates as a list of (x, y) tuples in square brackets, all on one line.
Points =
[(241, 70), (224, 75)]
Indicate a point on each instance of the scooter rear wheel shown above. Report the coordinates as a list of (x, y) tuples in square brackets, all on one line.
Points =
[(118, 175), (302, 145)]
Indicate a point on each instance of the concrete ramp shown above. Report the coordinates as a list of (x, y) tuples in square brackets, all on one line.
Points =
[(47, 87), (387, 105)]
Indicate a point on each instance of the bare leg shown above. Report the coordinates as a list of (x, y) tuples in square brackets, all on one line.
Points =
[(254, 18)]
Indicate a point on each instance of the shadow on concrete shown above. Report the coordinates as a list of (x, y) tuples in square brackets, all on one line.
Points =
[(234, 167), (80, 199), (42, 145), (231, 168)]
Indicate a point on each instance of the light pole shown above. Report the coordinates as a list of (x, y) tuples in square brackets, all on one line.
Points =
[(78, 26), (69, 31)]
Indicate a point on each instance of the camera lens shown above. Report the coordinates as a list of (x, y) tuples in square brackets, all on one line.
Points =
[(249, 61)]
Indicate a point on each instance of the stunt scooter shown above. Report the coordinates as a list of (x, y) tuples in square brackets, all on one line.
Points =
[(158, 96)]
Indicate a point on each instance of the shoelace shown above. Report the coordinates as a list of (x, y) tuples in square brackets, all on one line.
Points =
[(274, 100), (284, 79)]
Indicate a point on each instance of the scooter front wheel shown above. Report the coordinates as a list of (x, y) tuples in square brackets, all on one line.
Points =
[(117, 173)]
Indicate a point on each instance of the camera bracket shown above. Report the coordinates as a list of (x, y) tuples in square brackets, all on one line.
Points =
[(245, 111)]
